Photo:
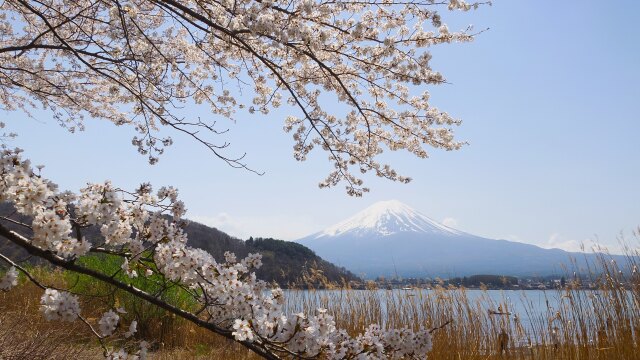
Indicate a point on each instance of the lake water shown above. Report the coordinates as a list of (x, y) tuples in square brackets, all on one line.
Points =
[(531, 313)]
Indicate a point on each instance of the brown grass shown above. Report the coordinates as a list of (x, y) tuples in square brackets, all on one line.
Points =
[(25, 334)]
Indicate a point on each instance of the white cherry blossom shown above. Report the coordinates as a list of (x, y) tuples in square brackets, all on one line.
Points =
[(136, 63), (9, 280), (108, 323), (59, 305)]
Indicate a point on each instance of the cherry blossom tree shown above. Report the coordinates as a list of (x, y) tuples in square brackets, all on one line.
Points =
[(137, 63)]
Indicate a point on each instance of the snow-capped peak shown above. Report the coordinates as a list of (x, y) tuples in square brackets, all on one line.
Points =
[(387, 218)]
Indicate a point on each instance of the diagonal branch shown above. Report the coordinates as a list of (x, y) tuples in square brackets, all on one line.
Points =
[(58, 261)]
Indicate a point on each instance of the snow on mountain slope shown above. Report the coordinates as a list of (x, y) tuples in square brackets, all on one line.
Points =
[(387, 218)]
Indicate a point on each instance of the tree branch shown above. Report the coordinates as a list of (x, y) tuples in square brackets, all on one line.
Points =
[(56, 260)]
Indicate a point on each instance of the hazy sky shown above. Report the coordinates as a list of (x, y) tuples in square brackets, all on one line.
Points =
[(549, 98)]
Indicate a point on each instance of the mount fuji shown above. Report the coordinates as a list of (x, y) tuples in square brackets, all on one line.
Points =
[(389, 238)]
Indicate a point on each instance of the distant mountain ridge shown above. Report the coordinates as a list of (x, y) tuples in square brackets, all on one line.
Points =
[(284, 262), (390, 238)]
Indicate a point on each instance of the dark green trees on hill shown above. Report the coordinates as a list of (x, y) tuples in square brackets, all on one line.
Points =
[(284, 262)]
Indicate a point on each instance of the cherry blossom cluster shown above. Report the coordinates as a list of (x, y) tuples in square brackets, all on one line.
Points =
[(108, 323), (138, 62), (138, 227), (122, 354), (107, 326), (9, 280), (59, 305)]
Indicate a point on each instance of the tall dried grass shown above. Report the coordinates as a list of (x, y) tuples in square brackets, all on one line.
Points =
[(26, 335), (572, 324)]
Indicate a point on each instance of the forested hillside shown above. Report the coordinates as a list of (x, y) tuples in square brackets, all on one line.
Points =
[(284, 262)]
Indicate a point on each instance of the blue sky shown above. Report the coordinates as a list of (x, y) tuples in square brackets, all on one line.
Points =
[(549, 99)]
